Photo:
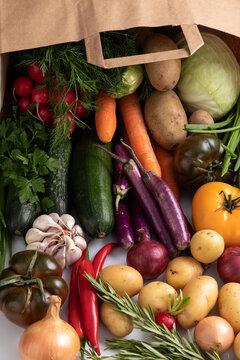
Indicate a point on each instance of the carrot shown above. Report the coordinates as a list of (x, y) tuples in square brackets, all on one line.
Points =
[(105, 116), (165, 159), (139, 139)]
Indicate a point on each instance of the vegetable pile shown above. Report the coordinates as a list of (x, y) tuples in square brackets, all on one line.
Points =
[(93, 156)]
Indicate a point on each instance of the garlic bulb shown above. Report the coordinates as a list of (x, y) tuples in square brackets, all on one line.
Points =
[(58, 236), (50, 338)]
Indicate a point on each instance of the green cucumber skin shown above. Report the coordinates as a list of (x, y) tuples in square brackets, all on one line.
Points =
[(91, 185), (19, 217), (57, 182)]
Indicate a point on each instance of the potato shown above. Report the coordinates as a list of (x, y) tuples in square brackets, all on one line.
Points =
[(156, 294), (181, 270), (229, 305), (206, 245), (163, 75), (123, 278), (200, 117), (117, 323), (165, 118), (203, 293), (236, 346)]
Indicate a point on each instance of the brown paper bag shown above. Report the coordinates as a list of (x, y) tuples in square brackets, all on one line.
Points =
[(28, 24)]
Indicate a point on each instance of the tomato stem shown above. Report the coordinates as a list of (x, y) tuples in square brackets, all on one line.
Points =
[(229, 203)]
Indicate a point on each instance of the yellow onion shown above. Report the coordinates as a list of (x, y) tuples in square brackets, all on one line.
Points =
[(50, 338), (214, 333)]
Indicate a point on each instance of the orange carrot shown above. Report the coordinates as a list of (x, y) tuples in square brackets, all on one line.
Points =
[(105, 116), (139, 139), (165, 159)]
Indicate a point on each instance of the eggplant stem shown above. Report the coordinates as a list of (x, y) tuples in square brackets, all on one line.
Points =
[(114, 156), (134, 157)]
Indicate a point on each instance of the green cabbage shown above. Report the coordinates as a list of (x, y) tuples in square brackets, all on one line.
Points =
[(210, 78), (130, 80)]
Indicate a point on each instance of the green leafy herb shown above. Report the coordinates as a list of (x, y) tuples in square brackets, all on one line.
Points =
[(160, 344), (23, 159)]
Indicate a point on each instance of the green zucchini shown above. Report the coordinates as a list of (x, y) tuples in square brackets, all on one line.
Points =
[(57, 181), (19, 217), (91, 185)]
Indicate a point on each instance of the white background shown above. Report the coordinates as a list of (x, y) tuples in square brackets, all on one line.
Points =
[(11, 333)]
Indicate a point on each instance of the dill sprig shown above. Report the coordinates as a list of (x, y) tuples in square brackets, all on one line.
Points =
[(159, 344)]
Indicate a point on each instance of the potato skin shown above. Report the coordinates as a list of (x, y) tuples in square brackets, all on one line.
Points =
[(118, 324), (165, 118), (181, 270), (236, 346), (229, 305), (203, 293), (156, 295), (123, 278), (200, 117), (206, 245), (163, 75)]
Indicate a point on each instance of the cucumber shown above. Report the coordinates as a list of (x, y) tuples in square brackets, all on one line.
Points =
[(91, 185), (57, 181), (19, 217)]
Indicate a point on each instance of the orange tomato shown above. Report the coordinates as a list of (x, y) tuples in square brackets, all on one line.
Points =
[(215, 207)]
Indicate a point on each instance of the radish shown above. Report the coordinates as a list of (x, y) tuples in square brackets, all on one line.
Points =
[(40, 95), (44, 113), (24, 103), (22, 86), (70, 97), (79, 110), (35, 73), (169, 318)]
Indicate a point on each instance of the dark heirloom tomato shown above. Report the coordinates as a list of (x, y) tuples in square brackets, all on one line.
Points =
[(197, 160), (26, 285)]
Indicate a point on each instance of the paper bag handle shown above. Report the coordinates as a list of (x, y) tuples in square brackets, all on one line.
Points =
[(95, 54)]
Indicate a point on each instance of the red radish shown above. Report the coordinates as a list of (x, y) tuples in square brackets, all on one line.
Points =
[(79, 110), (44, 113), (40, 95), (22, 86), (166, 319), (70, 97), (24, 103), (35, 73), (72, 128), (169, 318), (69, 116)]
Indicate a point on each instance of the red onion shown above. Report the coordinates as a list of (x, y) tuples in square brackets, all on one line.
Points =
[(149, 257), (228, 265)]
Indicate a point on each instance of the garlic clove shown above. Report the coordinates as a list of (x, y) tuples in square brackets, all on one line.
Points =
[(67, 220), (54, 216), (44, 222), (60, 256), (72, 257), (34, 234), (77, 230), (80, 242), (70, 244), (36, 246)]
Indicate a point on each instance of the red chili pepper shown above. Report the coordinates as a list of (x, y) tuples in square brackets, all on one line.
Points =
[(100, 257), (88, 303), (74, 316)]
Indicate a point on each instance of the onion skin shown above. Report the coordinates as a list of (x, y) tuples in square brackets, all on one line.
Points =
[(149, 257), (228, 265), (214, 333)]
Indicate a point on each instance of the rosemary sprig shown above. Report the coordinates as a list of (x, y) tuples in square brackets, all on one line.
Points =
[(160, 344)]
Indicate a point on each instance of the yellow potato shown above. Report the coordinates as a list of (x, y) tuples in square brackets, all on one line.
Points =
[(156, 294), (203, 293), (163, 75), (236, 346), (123, 278), (165, 118), (118, 324), (206, 245), (229, 304), (200, 117), (181, 270)]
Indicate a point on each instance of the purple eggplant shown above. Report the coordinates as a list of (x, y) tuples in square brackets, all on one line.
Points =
[(170, 207), (147, 201), (123, 226), (140, 225), (121, 184)]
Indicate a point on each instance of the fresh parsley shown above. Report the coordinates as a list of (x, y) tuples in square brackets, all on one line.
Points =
[(24, 162)]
